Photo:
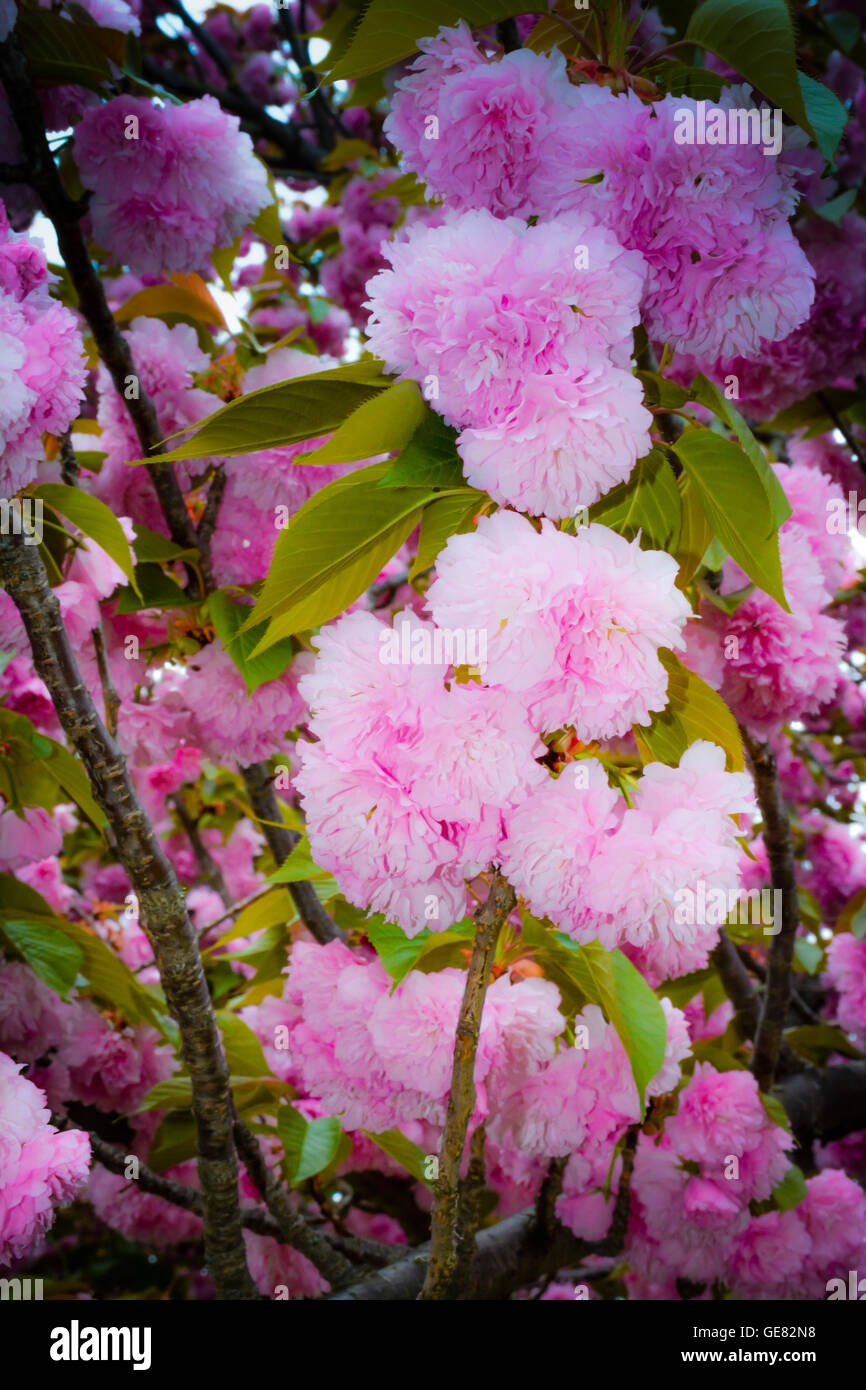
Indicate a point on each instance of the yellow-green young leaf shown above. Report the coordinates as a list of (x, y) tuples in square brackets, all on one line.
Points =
[(853, 915), (267, 223), (791, 1190), (610, 980), (308, 1145), (694, 711), (390, 29), (648, 502), (299, 866), (443, 517), (49, 952), (188, 296), (756, 38), (69, 774), (331, 552), (695, 532), (243, 1050), (736, 504), (286, 413), (94, 519), (379, 426), (399, 953), (223, 258), (406, 1152), (274, 909), (555, 958)]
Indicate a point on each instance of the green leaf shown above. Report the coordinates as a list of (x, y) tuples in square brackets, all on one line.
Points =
[(827, 116), (152, 548), (272, 909), (154, 589), (407, 1153), (707, 394), (243, 1050), (390, 29), (309, 1145), (791, 1190), (48, 952), (298, 866), (686, 987), (755, 38), (853, 915), (104, 971), (397, 951), (816, 1041), (610, 980), (736, 504), (380, 425), (648, 502), (306, 407), (694, 711), (430, 459), (59, 51), (94, 519), (809, 954), (332, 551), (442, 518), (228, 618), (695, 531), (834, 210), (555, 958), (69, 774)]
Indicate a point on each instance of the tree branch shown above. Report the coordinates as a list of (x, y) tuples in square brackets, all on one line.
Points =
[(446, 1267), (293, 1229), (281, 841), (780, 955), (164, 915), (113, 348), (208, 867)]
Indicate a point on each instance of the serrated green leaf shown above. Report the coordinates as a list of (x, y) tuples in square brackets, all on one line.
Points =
[(430, 458), (693, 711), (648, 502), (243, 1050), (405, 1151), (94, 519), (390, 29), (289, 412), (789, 1193), (827, 116), (380, 425), (228, 619), (49, 953), (331, 552), (736, 504), (309, 1145), (755, 38)]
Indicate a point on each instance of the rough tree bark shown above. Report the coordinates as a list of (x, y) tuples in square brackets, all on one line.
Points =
[(780, 955), (163, 912)]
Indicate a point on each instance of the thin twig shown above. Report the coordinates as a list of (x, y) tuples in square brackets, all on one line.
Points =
[(281, 841), (110, 697)]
